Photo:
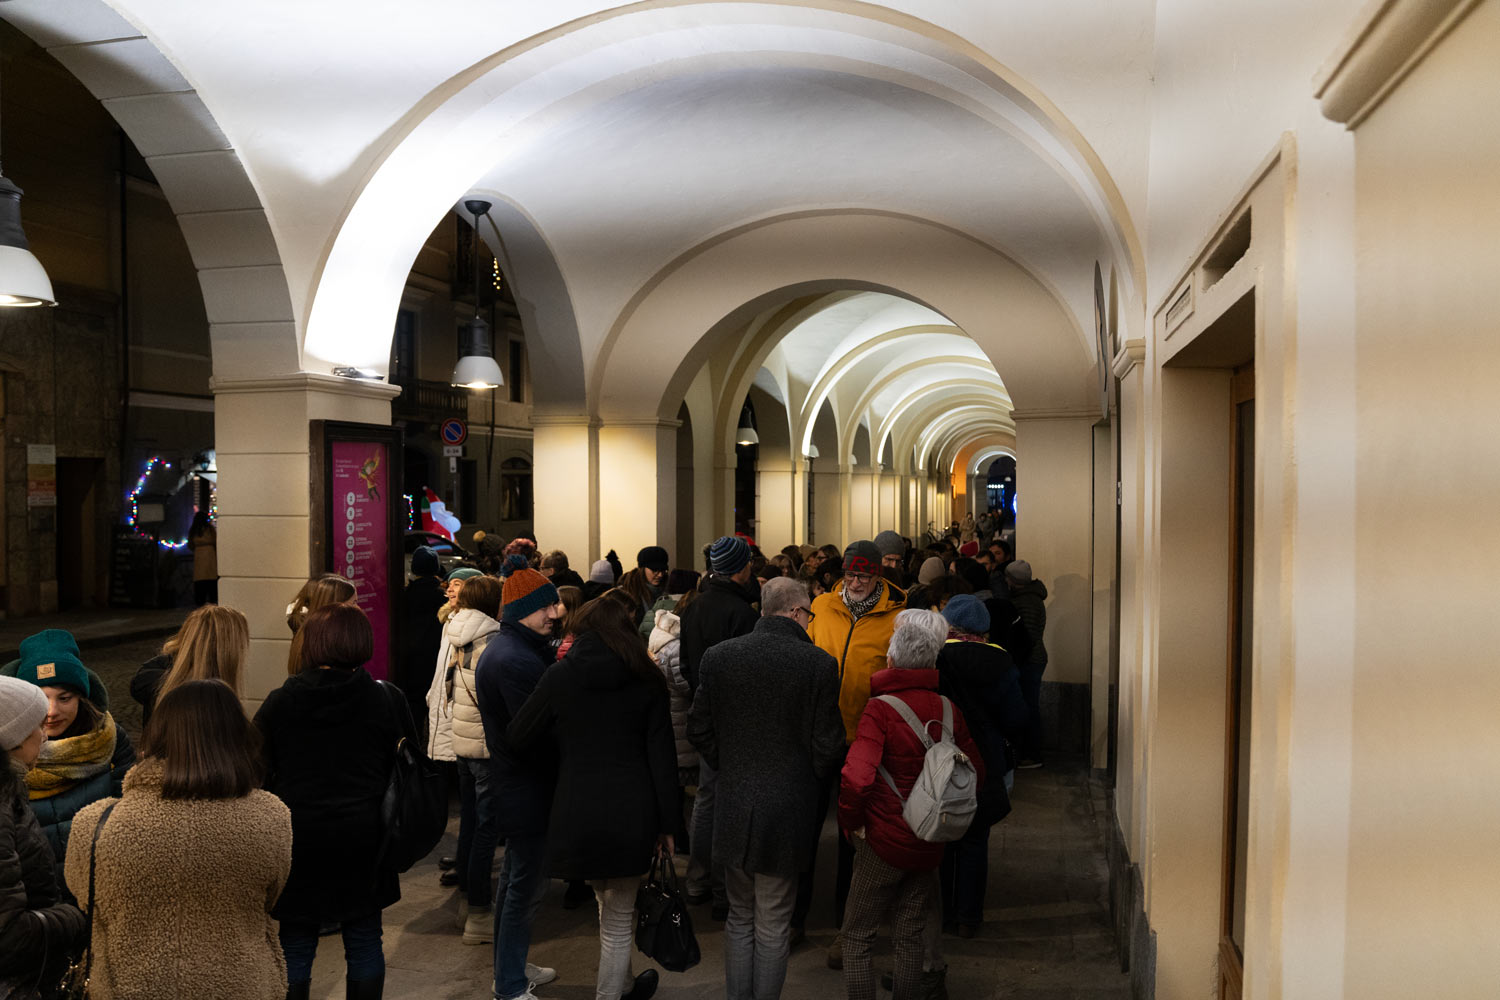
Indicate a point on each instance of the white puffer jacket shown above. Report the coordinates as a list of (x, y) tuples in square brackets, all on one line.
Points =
[(665, 647), (440, 700), (466, 635)]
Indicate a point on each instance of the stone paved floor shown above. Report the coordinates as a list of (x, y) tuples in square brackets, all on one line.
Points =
[(1046, 933)]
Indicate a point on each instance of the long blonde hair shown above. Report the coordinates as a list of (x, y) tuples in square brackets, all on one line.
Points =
[(211, 644)]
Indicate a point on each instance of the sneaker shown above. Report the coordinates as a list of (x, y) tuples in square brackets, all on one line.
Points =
[(1028, 764), (539, 975), (447, 864), (479, 928), (463, 911), (836, 954)]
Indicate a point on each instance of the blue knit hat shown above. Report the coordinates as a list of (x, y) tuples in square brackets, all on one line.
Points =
[(50, 659), (728, 555), (967, 613)]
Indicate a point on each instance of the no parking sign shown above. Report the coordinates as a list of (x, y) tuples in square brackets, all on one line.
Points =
[(453, 431)]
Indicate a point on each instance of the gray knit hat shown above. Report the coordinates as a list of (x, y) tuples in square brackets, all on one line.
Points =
[(967, 612), (1018, 571), (23, 706), (602, 572), (890, 544)]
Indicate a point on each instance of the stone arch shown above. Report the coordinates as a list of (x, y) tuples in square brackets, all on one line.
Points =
[(228, 232), (859, 447), (462, 126)]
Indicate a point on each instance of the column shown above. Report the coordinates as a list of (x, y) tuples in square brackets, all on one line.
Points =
[(638, 487), (262, 438), (776, 504), (565, 461)]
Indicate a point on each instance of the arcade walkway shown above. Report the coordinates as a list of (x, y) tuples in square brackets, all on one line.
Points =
[(1046, 935)]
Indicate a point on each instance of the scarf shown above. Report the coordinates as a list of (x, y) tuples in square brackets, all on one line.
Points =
[(954, 635), (858, 609), (64, 763)]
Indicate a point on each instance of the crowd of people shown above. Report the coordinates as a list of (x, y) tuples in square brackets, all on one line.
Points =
[(595, 728)]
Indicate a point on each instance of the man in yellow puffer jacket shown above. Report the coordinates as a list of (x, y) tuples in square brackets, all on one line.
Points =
[(853, 624)]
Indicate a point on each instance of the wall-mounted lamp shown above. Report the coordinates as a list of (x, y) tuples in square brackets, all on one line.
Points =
[(476, 368)]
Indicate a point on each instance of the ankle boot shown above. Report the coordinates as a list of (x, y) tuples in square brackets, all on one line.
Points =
[(299, 991), (365, 989)]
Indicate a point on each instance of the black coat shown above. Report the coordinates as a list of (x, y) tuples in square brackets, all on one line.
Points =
[(508, 671), (330, 740), (983, 681), (766, 716), (147, 682), (29, 886), (421, 635), (722, 610), (617, 762), (567, 578)]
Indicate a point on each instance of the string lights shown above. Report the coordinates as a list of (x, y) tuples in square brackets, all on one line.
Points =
[(133, 516), (411, 512)]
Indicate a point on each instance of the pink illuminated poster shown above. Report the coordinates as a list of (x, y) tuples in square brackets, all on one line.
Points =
[(361, 535)]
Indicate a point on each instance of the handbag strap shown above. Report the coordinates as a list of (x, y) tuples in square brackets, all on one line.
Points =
[(88, 962)]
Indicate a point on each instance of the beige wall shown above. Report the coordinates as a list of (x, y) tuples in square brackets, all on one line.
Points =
[(1423, 876)]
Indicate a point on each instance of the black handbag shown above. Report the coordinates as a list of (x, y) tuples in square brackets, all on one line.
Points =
[(663, 929), (414, 809)]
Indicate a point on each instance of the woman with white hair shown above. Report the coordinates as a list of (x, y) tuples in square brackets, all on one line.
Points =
[(892, 866)]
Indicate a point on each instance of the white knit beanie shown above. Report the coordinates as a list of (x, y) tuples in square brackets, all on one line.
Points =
[(23, 706)]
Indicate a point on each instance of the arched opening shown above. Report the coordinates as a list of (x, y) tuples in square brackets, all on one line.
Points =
[(1001, 483), (683, 554), (824, 482)]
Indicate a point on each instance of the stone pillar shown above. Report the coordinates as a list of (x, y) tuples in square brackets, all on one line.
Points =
[(861, 504), (775, 506), (829, 502), (262, 438), (565, 486), (637, 495), (1131, 719), (1054, 533)]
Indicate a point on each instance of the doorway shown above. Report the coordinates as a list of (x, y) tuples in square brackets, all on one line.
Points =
[(78, 575), (1238, 683)]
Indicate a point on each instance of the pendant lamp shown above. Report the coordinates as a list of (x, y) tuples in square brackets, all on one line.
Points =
[(745, 433), (476, 368), (23, 280)]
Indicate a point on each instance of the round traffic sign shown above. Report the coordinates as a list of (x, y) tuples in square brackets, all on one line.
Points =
[(453, 431)]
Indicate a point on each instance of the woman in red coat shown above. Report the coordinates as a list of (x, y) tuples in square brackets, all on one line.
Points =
[(892, 868)]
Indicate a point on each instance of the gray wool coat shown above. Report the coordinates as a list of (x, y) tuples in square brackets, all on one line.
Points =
[(766, 715)]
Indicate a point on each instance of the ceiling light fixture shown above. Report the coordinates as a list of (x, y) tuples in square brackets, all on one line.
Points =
[(476, 368), (745, 434), (23, 280), (812, 451)]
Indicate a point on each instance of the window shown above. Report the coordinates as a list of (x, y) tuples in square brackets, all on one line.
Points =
[(517, 371), (515, 490), (404, 347)]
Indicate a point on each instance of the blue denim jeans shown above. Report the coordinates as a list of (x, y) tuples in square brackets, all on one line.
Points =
[(518, 894), (477, 831), (362, 954), (704, 875)]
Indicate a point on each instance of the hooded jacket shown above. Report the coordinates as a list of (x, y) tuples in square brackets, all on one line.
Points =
[(617, 769), (467, 633), (329, 742), (884, 738), (28, 886), (421, 635), (175, 922), (665, 647), (1029, 600), (858, 646)]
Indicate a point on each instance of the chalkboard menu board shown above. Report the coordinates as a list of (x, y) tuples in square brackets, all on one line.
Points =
[(133, 569)]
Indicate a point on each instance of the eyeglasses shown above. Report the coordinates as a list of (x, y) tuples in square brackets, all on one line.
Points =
[(859, 577), (808, 612)]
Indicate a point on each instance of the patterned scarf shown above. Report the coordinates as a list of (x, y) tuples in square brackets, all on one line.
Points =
[(858, 609), (66, 762)]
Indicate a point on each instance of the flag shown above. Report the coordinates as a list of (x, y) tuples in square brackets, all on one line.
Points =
[(435, 516)]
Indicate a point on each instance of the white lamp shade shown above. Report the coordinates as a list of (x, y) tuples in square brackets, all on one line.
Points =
[(746, 435), (477, 371), (812, 451), (23, 280)]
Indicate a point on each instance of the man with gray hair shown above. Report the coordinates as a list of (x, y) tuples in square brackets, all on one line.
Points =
[(766, 717)]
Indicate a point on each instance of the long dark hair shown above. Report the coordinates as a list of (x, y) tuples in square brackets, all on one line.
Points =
[(619, 629), (207, 747), (337, 636), (86, 721)]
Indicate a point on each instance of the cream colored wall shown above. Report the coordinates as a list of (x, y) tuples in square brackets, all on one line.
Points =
[(1054, 533), (1422, 896)]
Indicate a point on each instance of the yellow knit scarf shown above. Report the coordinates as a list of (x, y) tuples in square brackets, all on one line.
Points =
[(64, 763)]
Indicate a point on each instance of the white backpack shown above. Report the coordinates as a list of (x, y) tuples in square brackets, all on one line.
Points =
[(945, 797)]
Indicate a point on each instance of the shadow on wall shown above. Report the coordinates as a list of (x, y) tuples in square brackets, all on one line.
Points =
[(1065, 690)]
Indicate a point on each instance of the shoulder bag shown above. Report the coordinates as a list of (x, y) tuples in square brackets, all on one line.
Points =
[(414, 808)]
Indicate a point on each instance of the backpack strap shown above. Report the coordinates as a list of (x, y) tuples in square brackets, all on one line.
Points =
[(904, 710), (948, 720)]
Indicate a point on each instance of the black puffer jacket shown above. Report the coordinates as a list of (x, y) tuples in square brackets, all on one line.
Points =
[(983, 681), (147, 682), (330, 740), (724, 609), (1030, 601), (617, 764), (28, 889)]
